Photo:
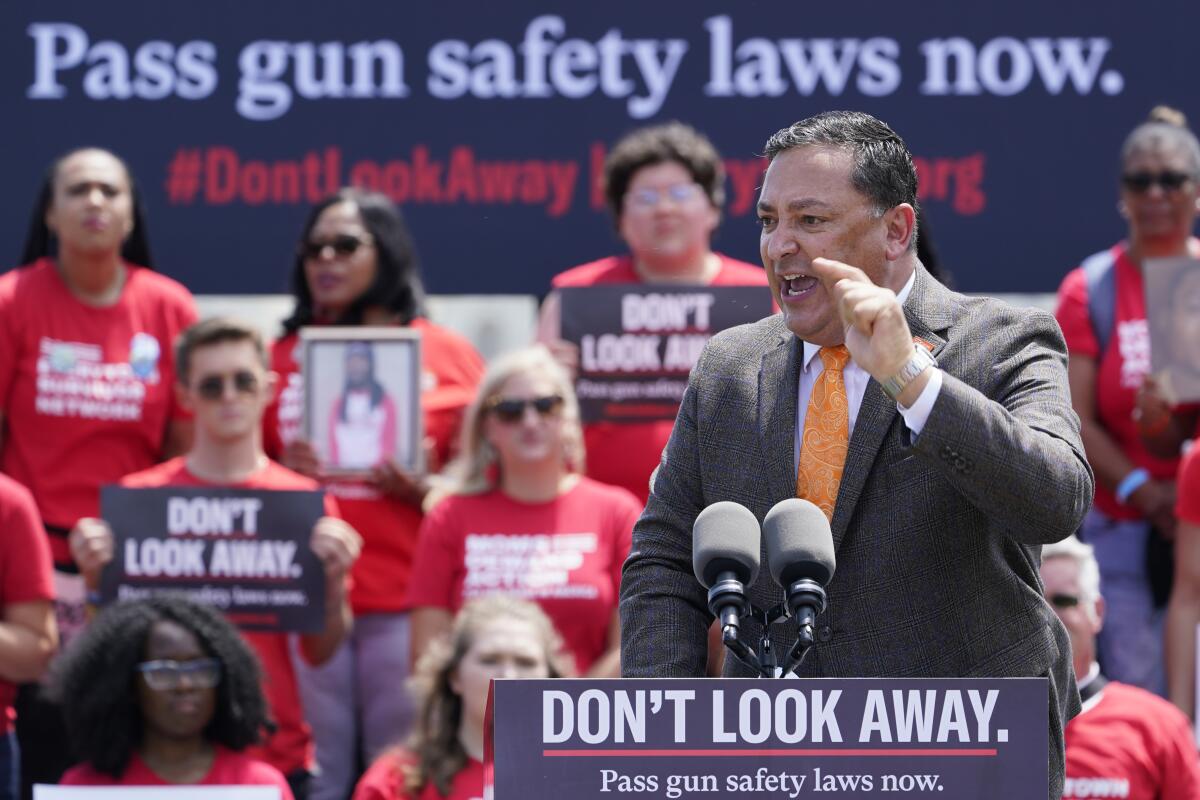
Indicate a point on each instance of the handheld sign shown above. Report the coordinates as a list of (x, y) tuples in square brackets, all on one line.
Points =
[(242, 551), (637, 343), (853, 739)]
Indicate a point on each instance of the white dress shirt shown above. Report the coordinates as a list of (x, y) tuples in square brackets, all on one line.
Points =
[(856, 379)]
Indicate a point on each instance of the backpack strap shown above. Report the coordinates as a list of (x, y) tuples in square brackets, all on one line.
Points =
[(1101, 275)]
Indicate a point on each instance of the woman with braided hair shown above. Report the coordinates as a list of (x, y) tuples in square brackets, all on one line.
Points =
[(194, 685), (493, 637)]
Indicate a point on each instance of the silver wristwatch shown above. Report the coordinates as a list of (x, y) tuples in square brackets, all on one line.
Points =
[(921, 359)]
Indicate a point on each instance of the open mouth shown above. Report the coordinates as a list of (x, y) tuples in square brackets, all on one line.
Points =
[(796, 286)]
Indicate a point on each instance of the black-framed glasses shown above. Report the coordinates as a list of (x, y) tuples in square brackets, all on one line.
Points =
[(1169, 180), (212, 387), (512, 409), (164, 675), (344, 244), (1062, 600)]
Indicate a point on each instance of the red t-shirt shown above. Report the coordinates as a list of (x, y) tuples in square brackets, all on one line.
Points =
[(290, 748), (1187, 488), (566, 555), (450, 371), (26, 574), (229, 768), (624, 454), (384, 780), (1130, 743), (86, 392), (1123, 365)]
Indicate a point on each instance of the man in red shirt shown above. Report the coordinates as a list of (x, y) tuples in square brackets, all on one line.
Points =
[(1125, 742), (224, 382)]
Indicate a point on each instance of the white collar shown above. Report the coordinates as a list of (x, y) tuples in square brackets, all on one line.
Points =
[(811, 349)]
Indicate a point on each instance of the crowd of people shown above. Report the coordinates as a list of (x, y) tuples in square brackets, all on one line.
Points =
[(107, 377)]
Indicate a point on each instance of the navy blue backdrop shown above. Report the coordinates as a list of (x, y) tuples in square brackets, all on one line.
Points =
[(487, 121)]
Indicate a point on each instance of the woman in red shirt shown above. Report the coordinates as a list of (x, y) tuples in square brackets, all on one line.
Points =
[(356, 265), (520, 518), (501, 637), (163, 692), (1135, 489)]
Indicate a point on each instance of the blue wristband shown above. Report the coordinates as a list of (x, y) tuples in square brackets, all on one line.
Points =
[(1130, 484)]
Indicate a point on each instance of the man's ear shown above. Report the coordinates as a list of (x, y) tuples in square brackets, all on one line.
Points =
[(901, 225)]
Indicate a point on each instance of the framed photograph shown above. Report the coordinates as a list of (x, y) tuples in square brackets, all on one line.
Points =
[(1173, 314), (362, 397)]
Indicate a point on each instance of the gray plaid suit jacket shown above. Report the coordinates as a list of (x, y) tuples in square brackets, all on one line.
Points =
[(937, 540)]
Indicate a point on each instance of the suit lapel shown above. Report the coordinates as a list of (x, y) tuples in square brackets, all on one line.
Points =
[(778, 382)]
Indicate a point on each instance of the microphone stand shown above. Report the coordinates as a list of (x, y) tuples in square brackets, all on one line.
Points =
[(764, 659)]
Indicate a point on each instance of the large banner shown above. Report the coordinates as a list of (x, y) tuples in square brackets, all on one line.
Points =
[(489, 123)]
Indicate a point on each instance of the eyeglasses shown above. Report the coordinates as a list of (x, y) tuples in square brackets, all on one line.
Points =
[(212, 387), (650, 198), (343, 244), (1170, 181), (165, 675), (1063, 600), (512, 410)]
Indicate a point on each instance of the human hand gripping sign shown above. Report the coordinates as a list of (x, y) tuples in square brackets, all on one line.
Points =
[(876, 331)]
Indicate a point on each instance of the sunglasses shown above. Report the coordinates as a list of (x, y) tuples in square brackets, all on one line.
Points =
[(512, 410), (343, 244), (1170, 180), (1063, 600), (212, 387), (165, 675)]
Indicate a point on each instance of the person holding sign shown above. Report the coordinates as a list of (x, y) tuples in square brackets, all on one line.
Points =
[(224, 382), (356, 265), (934, 431), (163, 692), (519, 519), (1102, 311), (665, 186), (490, 639)]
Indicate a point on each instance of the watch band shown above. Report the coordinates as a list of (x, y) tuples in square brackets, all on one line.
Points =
[(921, 358)]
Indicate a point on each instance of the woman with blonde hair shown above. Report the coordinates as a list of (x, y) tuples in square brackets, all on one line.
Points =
[(501, 637), (518, 517)]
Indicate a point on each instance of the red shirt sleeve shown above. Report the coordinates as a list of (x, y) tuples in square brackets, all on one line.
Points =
[(431, 583), (25, 565), (1178, 761), (9, 341), (626, 517), (1187, 503), (1073, 317)]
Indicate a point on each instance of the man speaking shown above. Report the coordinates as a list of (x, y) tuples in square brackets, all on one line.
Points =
[(935, 430)]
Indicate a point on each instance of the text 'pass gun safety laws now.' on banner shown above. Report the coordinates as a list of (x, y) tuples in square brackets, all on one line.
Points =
[(243, 552), (849, 739)]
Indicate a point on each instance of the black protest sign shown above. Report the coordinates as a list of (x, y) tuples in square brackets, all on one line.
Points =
[(243, 551), (850, 739), (637, 343)]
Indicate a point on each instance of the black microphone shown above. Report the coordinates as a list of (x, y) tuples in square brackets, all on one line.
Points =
[(800, 556), (725, 558)]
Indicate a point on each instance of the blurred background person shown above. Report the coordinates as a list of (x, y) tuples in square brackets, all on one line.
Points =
[(1101, 308), (1128, 741), (161, 692), (665, 188), (356, 265), (224, 383), (28, 633), (490, 639), (1183, 612), (520, 518), (362, 423), (86, 375)]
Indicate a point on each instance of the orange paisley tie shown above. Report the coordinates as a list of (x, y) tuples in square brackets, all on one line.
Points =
[(826, 433)]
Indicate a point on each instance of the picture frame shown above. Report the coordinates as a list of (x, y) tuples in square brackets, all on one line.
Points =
[(362, 398), (1172, 288)]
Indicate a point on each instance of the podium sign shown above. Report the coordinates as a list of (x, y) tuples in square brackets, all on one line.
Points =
[(818, 738)]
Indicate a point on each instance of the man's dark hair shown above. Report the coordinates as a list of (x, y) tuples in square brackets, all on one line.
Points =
[(95, 681), (883, 167), (214, 330), (40, 240), (659, 144), (397, 285)]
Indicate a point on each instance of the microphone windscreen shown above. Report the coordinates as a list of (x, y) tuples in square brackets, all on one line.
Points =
[(725, 538), (799, 543)]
